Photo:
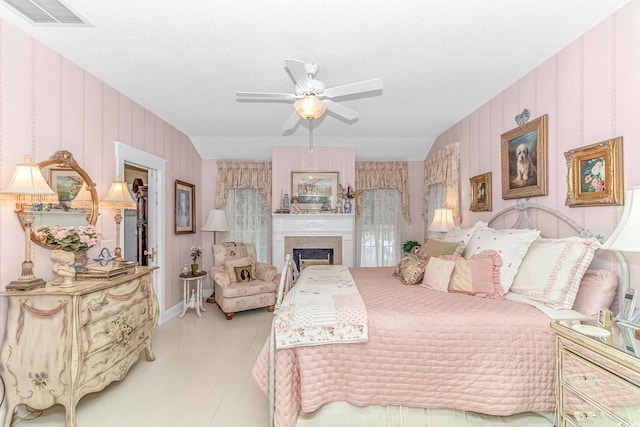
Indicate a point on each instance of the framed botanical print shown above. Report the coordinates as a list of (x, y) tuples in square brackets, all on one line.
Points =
[(524, 160), (595, 175), (185, 208), (481, 192), (314, 189)]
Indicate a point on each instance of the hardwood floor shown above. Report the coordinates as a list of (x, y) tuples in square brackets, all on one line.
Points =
[(201, 377)]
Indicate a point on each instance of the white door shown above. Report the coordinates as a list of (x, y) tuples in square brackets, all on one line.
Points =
[(155, 211)]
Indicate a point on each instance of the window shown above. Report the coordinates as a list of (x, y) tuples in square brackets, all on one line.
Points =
[(249, 221), (378, 228)]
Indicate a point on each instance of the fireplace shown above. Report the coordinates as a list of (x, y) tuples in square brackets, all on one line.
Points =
[(304, 257), (313, 231)]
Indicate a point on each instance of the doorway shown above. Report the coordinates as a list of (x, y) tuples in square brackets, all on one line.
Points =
[(128, 157)]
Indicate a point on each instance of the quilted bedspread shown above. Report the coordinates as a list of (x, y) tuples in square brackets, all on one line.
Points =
[(426, 349)]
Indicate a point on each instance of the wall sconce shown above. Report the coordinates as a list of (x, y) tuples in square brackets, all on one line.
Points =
[(28, 186), (118, 197)]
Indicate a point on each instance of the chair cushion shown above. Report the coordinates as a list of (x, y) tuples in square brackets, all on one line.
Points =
[(255, 287)]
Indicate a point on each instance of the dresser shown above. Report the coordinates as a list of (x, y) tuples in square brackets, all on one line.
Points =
[(63, 343), (598, 381)]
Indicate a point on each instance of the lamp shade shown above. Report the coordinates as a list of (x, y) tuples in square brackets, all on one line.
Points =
[(442, 220), (310, 107), (626, 237), (216, 221), (119, 196), (28, 184)]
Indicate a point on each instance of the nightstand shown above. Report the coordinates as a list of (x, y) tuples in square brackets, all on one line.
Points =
[(598, 382)]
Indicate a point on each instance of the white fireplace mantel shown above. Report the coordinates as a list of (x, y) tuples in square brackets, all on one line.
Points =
[(312, 225)]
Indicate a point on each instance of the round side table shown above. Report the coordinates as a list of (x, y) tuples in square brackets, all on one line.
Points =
[(192, 292)]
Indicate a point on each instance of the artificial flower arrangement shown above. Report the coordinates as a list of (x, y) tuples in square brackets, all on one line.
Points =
[(347, 193), (68, 239), (195, 253)]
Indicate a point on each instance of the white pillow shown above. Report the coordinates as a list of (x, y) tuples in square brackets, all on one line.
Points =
[(551, 271), (511, 244), (463, 234)]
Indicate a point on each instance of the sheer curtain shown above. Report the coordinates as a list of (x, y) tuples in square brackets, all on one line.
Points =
[(249, 221), (378, 228), (442, 174)]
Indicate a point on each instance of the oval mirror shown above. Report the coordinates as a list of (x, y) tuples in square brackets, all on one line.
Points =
[(77, 197)]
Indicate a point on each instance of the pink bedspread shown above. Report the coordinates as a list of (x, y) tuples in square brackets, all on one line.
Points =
[(426, 349)]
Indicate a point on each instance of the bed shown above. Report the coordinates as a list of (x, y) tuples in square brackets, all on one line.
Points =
[(432, 357)]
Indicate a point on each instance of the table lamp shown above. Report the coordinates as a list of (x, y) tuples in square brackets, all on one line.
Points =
[(216, 221), (625, 237), (28, 186), (118, 197), (442, 221)]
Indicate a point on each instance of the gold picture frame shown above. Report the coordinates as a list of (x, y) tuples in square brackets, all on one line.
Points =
[(314, 189), (595, 175), (481, 193), (524, 160)]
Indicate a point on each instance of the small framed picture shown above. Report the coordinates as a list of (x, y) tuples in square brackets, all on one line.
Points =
[(185, 208), (481, 192), (604, 318), (595, 175)]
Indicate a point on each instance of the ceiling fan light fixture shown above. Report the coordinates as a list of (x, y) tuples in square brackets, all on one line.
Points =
[(310, 107)]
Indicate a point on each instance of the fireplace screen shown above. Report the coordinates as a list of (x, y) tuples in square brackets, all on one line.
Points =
[(305, 257)]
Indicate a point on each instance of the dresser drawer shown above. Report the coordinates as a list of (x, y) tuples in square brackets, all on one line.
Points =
[(598, 385), (107, 357), (115, 328), (106, 302)]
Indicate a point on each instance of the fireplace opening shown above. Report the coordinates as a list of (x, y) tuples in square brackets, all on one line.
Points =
[(304, 257)]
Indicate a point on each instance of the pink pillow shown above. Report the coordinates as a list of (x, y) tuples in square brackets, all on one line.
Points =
[(597, 290), (479, 275), (438, 274)]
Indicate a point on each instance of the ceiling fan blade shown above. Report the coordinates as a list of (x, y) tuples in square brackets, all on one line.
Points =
[(352, 88), (299, 74), (341, 110), (291, 122), (266, 95)]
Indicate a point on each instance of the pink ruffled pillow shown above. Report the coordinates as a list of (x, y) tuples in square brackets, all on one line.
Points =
[(479, 275)]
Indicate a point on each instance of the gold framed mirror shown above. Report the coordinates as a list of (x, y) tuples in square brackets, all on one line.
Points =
[(78, 199)]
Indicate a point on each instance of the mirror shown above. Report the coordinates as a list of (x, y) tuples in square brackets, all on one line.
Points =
[(78, 199)]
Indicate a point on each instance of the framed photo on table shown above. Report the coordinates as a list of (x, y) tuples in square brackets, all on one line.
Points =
[(313, 189), (524, 160), (595, 175), (185, 208), (481, 192)]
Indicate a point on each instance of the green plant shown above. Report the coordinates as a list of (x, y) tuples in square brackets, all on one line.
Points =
[(408, 245), (195, 253)]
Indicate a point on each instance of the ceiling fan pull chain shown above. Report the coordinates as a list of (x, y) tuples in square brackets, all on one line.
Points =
[(311, 135)]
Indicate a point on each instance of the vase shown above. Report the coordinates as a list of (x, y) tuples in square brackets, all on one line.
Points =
[(63, 267), (80, 259), (346, 207), (194, 268)]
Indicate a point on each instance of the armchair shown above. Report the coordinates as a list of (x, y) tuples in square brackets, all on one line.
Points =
[(240, 281)]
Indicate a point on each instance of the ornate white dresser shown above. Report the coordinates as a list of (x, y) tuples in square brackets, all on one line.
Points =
[(598, 375), (63, 343)]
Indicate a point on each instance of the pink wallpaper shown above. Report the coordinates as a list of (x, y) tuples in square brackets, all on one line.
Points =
[(590, 91), (49, 104)]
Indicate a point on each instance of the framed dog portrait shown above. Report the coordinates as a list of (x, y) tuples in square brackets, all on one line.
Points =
[(595, 176), (524, 160), (185, 208), (481, 192)]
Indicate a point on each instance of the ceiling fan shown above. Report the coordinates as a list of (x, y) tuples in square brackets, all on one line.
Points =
[(311, 98)]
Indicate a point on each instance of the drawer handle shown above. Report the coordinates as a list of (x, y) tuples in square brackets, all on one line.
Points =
[(583, 378)]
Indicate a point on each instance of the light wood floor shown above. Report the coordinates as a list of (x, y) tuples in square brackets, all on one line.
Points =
[(200, 378)]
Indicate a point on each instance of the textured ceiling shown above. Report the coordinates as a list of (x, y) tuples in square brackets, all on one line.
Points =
[(439, 60)]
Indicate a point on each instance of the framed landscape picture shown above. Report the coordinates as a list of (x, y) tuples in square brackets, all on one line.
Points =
[(524, 160), (185, 208), (66, 182), (595, 175), (313, 189), (481, 192)]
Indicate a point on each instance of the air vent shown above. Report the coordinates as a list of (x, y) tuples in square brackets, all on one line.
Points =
[(47, 12)]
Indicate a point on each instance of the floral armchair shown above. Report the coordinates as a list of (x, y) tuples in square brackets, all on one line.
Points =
[(240, 281)]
